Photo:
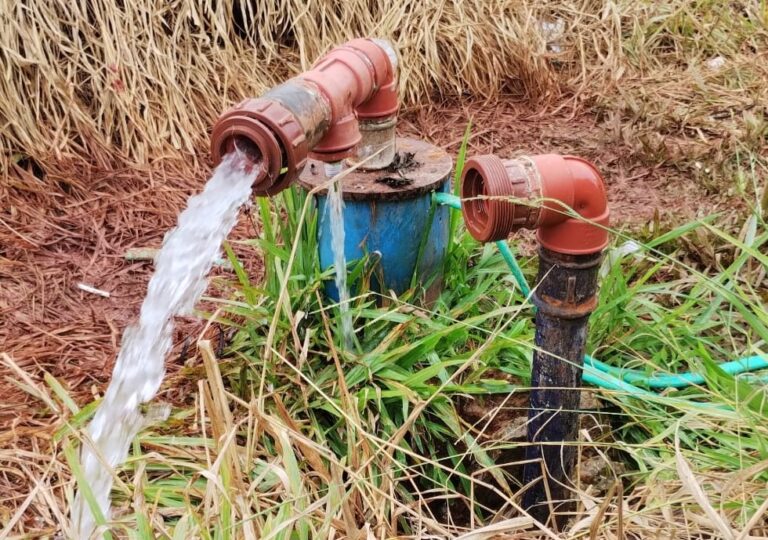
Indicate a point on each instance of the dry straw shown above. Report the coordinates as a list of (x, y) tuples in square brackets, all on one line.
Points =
[(145, 79), (134, 81)]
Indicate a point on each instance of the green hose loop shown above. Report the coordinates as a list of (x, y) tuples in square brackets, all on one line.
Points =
[(601, 374)]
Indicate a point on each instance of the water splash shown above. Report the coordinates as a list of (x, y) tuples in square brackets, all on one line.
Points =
[(336, 215), (179, 280)]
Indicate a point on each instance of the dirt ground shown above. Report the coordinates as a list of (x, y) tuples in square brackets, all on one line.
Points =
[(74, 228)]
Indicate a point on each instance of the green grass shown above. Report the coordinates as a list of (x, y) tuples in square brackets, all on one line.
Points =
[(293, 437)]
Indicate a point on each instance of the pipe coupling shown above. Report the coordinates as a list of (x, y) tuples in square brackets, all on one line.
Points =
[(269, 136), (562, 197)]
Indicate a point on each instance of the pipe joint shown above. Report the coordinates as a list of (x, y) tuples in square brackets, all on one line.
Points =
[(316, 112), (359, 81), (562, 197), (376, 149), (269, 136), (383, 103)]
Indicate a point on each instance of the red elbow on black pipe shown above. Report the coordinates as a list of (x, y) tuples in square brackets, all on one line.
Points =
[(562, 197)]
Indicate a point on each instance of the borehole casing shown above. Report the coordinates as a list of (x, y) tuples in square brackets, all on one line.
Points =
[(388, 211)]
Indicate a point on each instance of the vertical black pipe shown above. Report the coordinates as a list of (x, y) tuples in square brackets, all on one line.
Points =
[(565, 296)]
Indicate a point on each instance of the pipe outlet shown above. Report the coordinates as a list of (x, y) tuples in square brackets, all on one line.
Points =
[(541, 192), (316, 111), (269, 136)]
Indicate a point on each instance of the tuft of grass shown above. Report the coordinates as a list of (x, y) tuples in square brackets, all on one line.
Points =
[(417, 433)]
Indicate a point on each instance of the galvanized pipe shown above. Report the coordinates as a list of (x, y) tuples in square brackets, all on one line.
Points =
[(376, 149)]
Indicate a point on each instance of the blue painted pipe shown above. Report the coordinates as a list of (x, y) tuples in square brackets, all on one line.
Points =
[(395, 229)]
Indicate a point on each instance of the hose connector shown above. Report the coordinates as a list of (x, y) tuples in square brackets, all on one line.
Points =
[(539, 192)]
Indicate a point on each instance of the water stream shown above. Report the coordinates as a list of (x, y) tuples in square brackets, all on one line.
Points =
[(179, 280), (336, 215)]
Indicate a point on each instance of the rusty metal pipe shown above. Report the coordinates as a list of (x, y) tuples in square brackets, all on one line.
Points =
[(316, 111), (564, 199), (565, 296), (376, 149)]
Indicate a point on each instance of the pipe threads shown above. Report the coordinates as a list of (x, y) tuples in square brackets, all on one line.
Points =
[(489, 185)]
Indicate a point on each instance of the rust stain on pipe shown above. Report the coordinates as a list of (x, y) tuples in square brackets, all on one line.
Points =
[(315, 112)]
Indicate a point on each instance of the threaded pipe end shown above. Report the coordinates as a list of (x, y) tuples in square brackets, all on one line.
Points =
[(485, 189)]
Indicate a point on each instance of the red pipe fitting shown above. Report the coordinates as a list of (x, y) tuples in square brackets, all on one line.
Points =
[(269, 136), (357, 79), (314, 112), (539, 192)]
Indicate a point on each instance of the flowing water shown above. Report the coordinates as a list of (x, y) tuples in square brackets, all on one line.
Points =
[(336, 215), (179, 280)]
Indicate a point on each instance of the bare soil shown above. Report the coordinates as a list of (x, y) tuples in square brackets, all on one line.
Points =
[(638, 189), (73, 226)]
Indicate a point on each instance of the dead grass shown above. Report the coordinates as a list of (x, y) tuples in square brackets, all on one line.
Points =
[(139, 81), (148, 79)]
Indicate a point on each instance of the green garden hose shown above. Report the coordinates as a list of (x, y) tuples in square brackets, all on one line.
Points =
[(601, 374)]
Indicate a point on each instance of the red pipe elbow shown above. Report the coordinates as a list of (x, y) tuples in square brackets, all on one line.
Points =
[(540, 192), (358, 79), (316, 111)]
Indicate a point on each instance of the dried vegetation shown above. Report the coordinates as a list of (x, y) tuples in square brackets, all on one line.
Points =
[(143, 80)]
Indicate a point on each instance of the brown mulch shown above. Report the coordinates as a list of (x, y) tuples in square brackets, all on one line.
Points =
[(75, 224), (55, 234)]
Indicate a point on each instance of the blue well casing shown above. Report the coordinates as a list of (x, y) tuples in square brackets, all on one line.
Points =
[(395, 229), (386, 215)]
